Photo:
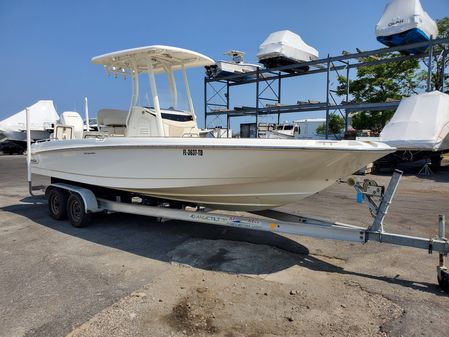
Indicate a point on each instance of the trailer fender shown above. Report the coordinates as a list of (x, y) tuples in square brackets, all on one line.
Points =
[(89, 199)]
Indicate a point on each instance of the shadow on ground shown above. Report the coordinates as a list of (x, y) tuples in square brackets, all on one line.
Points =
[(208, 247), (440, 175)]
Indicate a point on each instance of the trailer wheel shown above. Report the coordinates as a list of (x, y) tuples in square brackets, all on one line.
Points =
[(76, 211), (57, 203), (443, 278)]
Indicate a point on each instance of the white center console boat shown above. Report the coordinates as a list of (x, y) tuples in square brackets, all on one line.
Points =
[(155, 152)]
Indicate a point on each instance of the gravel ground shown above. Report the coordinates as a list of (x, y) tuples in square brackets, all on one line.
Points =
[(212, 303)]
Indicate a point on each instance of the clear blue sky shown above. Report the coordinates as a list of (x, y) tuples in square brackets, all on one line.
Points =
[(46, 46)]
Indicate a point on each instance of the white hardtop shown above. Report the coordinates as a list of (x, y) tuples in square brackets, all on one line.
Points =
[(161, 58), (421, 122), (152, 60), (42, 116)]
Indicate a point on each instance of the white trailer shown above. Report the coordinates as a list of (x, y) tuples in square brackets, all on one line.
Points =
[(78, 203)]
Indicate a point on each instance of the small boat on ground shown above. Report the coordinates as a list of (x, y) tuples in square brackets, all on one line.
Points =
[(421, 122), (43, 117), (284, 48), (404, 22), (420, 127)]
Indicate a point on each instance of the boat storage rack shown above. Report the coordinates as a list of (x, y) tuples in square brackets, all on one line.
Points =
[(271, 84), (81, 203)]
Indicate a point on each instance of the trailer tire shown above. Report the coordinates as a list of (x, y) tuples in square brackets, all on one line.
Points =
[(57, 203), (76, 211)]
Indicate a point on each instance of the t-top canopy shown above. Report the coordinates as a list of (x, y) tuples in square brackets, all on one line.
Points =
[(162, 59)]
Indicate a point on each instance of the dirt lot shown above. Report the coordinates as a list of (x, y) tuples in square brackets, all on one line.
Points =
[(132, 276)]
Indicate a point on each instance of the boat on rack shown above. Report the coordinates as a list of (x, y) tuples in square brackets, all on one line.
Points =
[(284, 48), (404, 22), (157, 153), (223, 69)]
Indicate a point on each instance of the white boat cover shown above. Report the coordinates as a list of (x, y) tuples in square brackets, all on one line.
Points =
[(421, 122), (402, 15), (42, 116), (287, 44)]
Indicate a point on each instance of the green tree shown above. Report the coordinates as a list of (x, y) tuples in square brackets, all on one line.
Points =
[(437, 60), (380, 83), (371, 120), (336, 125)]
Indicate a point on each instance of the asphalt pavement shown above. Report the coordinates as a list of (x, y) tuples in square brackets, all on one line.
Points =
[(55, 277)]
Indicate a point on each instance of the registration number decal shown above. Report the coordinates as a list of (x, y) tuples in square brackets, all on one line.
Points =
[(192, 152)]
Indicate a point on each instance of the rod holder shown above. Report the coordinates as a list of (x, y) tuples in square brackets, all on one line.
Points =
[(29, 173), (86, 114), (442, 226)]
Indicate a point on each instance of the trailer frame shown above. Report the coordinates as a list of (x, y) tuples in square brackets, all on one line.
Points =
[(377, 198)]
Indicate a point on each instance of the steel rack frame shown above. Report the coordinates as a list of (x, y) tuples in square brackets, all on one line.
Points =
[(217, 99)]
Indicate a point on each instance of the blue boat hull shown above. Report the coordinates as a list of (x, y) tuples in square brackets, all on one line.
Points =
[(414, 35)]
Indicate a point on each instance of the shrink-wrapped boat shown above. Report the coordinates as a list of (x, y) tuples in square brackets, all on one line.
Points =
[(284, 48), (405, 22), (420, 123)]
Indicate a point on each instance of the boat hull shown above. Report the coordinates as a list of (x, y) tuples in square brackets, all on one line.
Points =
[(219, 173), (414, 35)]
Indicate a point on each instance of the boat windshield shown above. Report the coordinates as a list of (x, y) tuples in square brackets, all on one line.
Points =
[(177, 118), (288, 127)]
